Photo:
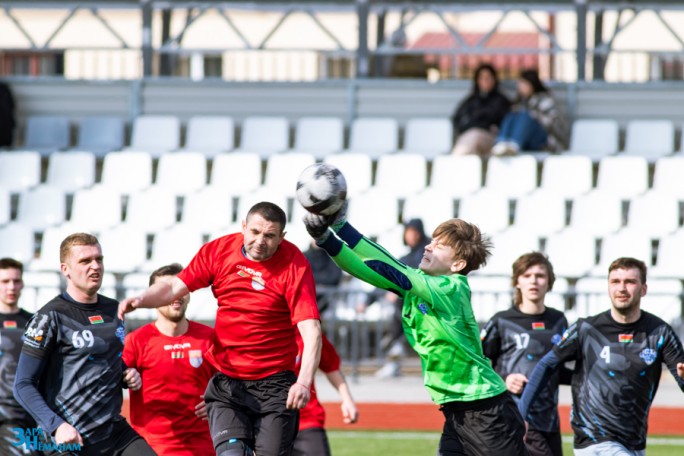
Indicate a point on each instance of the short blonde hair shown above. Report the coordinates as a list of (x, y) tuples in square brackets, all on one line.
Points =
[(468, 242), (72, 240)]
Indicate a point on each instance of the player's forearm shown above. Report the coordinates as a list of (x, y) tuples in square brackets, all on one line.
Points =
[(26, 392), (337, 380), (311, 354), (162, 293), (540, 377)]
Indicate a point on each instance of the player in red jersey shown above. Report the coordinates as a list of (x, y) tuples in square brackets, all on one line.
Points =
[(169, 410), (312, 439), (265, 291)]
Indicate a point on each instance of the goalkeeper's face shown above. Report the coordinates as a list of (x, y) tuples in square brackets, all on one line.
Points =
[(440, 259)]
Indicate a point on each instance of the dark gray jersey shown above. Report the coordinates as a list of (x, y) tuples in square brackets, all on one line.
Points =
[(11, 333), (81, 345), (515, 342), (617, 372)]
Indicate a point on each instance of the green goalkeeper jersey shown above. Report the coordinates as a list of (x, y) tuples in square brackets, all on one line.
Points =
[(438, 319)]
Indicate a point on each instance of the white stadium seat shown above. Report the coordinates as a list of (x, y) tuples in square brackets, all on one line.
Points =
[(19, 170), (124, 248), (71, 171), (507, 247), (402, 174), (374, 136), (264, 135), (651, 139), (540, 213), (181, 173), (208, 210), (282, 171), (432, 206), (456, 175), (567, 175), (512, 176), (488, 209), (155, 134), (126, 172), (595, 138), (667, 175), (654, 214), (572, 252), (41, 207), (151, 210), (624, 243), (623, 176), (670, 254), (428, 136), (210, 135), (319, 136), (236, 173), (596, 213), (374, 212), (95, 209), (357, 169), (17, 241)]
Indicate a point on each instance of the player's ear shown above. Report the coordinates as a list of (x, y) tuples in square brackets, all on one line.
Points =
[(644, 289), (458, 265)]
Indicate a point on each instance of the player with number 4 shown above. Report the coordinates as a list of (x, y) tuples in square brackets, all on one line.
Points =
[(618, 358), (70, 372)]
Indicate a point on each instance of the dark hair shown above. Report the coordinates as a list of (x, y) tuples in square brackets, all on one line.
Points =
[(468, 242), (485, 67), (532, 76), (75, 239), (168, 270), (525, 262), (629, 263), (270, 212), (11, 263)]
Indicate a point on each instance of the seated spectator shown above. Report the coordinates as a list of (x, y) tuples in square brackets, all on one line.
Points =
[(477, 118), (535, 122)]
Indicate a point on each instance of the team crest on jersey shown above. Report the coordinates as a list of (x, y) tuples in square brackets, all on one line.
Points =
[(648, 355), (555, 339), (423, 308), (9, 324), (121, 333), (195, 358)]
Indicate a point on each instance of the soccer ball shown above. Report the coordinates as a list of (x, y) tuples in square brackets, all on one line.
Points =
[(321, 189)]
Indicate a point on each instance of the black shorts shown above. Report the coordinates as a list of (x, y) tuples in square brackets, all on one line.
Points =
[(312, 441), (254, 411), (123, 441), (488, 427), (540, 443)]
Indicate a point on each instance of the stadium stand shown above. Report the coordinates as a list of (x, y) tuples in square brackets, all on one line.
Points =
[(101, 134), (181, 173), (264, 135), (651, 139), (125, 246), (456, 176), (512, 176), (5, 206), (282, 171), (17, 241), (595, 138), (432, 206), (47, 134), (151, 210), (567, 175), (623, 176), (126, 172), (357, 168), (236, 173), (402, 174), (374, 136), (41, 207), (208, 210), (155, 134), (540, 213)]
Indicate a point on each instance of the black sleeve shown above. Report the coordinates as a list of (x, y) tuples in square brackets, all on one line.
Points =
[(540, 377), (29, 371)]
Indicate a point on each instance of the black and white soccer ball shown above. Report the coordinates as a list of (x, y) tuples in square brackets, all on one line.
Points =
[(321, 189)]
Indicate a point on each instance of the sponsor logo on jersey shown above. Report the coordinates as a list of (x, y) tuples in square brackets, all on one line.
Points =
[(96, 320), (34, 334), (538, 326), (34, 439), (177, 346), (258, 283), (9, 324), (626, 338), (195, 358), (648, 355)]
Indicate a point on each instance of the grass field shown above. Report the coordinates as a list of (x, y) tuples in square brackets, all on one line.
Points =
[(408, 443)]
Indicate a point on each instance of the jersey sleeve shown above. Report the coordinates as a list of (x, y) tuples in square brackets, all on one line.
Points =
[(198, 273), (673, 354), (491, 341), (330, 360), (301, 291), (570, 345), (40, 336)]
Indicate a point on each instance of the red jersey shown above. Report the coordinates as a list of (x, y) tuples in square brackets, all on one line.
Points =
[(313, 414), (259, 304), (174, 376)]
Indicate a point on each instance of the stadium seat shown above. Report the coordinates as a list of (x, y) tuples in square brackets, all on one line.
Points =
[(512, 176), (592, 295), (595, 138), (19, 170), (126, 172), (265, 135), (71, 171), (124, 247), (181, 173), (95, 209), (540, 213), (597, 213), (203, 306), (428, 136), (402, 174), (48, 257), (155, 134), (247, 200), (624, 243), (664, 299), (109, 285), (623, 176), (392, 240), (456, 175), (357, 169), (39, 289), (151, 210), (210, 135), (297, 234), (374, 212), (282, 171), (488, 209), (572, 252), (101, 134), (177, 244), (567, 175), (489, 295), (432, 206), (5, 206), (47, 134), (556, 298), (208, 210), (667, 175), (236, 173), (654, 214), (319, 136), (17, 241), (651, 139), (508, 246), (374, 136), (670, 254), (41, 207)]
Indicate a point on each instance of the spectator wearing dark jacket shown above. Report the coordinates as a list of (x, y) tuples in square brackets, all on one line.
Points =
[(477, 118)]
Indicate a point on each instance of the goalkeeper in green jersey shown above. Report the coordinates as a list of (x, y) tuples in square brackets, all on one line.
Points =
[(480, 416)]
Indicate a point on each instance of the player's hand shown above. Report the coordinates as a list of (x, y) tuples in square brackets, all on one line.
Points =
[(350, 414), (298, 397), (132, 379), (66, 433), (680, 370), (201, 409), (128, 305), (515, 383), (317, 226)]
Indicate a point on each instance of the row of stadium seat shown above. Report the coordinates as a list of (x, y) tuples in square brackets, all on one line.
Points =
[(321, 136)]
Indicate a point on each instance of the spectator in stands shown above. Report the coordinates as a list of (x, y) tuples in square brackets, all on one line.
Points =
[(266, 292), (70, 371), (477, 118), (325, 272), (311, 439), (618, 358), (171, 416), (13, 320), (516, 339), (535, 122), (416, 239), (7, 119)]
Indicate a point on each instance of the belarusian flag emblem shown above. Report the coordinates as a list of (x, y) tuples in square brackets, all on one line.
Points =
[(538, 326), (625, 338), (96, 319)]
